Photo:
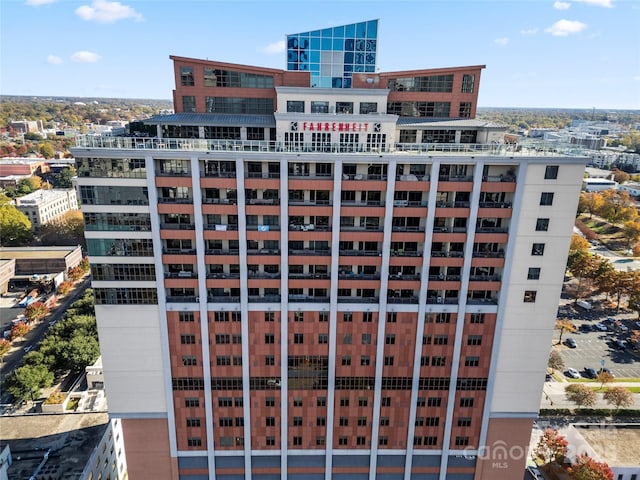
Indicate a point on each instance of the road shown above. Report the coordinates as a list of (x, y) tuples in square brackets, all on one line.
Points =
[(13, 358)]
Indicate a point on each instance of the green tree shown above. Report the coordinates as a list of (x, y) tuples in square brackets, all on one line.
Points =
[(46, 149), (36, 357), (586, 468), (618, 397), (79, 352), (26, 381), (28, 185), (63, 179), (580, 394), (15, 227)]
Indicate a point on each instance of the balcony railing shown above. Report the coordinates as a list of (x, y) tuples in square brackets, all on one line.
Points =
[(405, 300), (358, 299), (492, 230), (495, 205), (222, 299), (446, 301), (220, 251), (488, 254), (485, 278), (364, 176), (455, 178), (309, 228), (444, 278), (263, 251), (447, 254), (309, 276), (360, 253), (367, 228), (220, 201), (322, 203), (262, 201), (181, 299), (413, 177), (398, 228), (175, 200), (410, 203), (359, 276), (482, 301), (183, 274), (263, 228), (308, 299), (405, 253), (179, 251), (403, 276), (264, 298), (221, 275), (253, 274), (307, 251), (217, 226), (521, 149), (367, 203), (177, 226), (262, 175)]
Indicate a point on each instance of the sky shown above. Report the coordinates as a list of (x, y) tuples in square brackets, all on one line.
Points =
[(538, 53)]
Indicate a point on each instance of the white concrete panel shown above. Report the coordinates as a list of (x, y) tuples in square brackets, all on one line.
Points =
[(130, 336)]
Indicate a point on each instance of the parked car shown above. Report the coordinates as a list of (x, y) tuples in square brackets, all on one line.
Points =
[(572, 373), (548, 377), (589, 372), (623, 328), (535, 473), (638, 324), (620, 344), (570, 342), (586, 327), (606, 370), (602, 327)]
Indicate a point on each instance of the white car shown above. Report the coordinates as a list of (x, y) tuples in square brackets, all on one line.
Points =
[(572, 373), (602, 327)]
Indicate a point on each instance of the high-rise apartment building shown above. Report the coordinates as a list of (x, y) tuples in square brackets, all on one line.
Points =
[(300, 282)]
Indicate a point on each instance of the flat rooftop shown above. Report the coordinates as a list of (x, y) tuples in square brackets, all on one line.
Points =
[(40, 196), (616, 445), (24, 253), (70, 437)]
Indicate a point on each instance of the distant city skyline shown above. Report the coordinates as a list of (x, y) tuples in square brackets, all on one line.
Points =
[(538, 54)]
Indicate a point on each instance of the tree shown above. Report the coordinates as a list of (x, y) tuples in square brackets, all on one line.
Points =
[(586, 468), (604, 377), (26, 381), (617, 206), (15, 227), (63, 179), (79, 352), (580, 394), (65, 287), (552, 447), (631, 231), (19, 330), (28, 185), (36, 311), (578, 243), (618, 397), (619, 176), (67, 229), (5, 346), (583, 266), (563, 324), (555, 360), (46, 150), (75, 273), (590, 202)]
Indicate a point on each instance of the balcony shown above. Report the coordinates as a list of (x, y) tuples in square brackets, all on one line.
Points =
[(444, 278), (368, 203), (183, 274), (222, 299), (455, 178), (252, 274), (358, 299), (177, 226), (485, 278), (499, 178), (308, 299), (358, 276), (221, 275), (492, 230), (181, 299), (220, 201), (494, 204), (364, 176), (410, 203), (262, 175), (309, 276), (309, 228), (264, 298), (219, 227), (308, 251), (441, 300), (402, 300), (366, 228), (482, 301), (321, 203), (262, 201), (360, 253), (179, 251), (263, 228), (263, 251), (412, 178), (440, 253), (404, 276), (175, 200), (407, 229), (499, 254), (173, 173), (220, 251)]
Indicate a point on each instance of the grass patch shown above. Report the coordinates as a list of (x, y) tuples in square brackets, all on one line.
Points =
[(597, 388), (579, 380), (73, 404), (628, 380)]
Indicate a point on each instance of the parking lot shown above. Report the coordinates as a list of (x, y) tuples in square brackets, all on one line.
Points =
[(593, 348)]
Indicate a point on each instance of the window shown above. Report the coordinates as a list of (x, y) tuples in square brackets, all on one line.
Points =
[(542, 225), (297, 441), (270, 402), (297, 401), (321, 402), (384, 421), (320, 440), (323, 317), (383, 441), (368, 107), (269, 338), (530, 296), (186, 76), (464, 421), (464, 111), (367, 317), (390, 339), (421, 402), (238, 401), (346, 360), (269, 360), (239, 421), (344, 401), (298, 338), (546, 198), (537, 249), (297, 421), (363, 401), (392, 317), (361, 441), (237, 361), (298, 316), (346, 339), (467, 82), (437, 361), (270, 421), (187, 339), (321, 421), (223, 360), (270, 441), (419, 422), (295, 106), (386, 401), (462, 441), (388, 361), (366, 339), (466, 402), (344, 421), (194, 442), (434, 401), (347, 317), (191, 402), (226, 422), (440, 340), (432, 421), (362, 421), (269, 316), (188, 104), (189, 360), (477, 318), (344, 107), (220, 316), (551, 172), (323, 338), (365, 360), (186, 317), (533, 274), (319, 107), (471, 361), (236, 339), (474, 340), (342, 441), (222, 339)]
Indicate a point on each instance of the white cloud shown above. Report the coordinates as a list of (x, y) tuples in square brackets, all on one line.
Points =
[(276, 47), (636, 78), (502, 41), (103, 11), (83, 56), (563, 28), (54, 59), (529, 31), (37, 3), (558, 5), (597, 3)]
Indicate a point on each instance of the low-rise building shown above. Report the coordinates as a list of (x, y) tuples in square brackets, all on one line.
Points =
[(42, 260), (632, 187), (23, 166), (7, 271), (598, 184), (42, 206)]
